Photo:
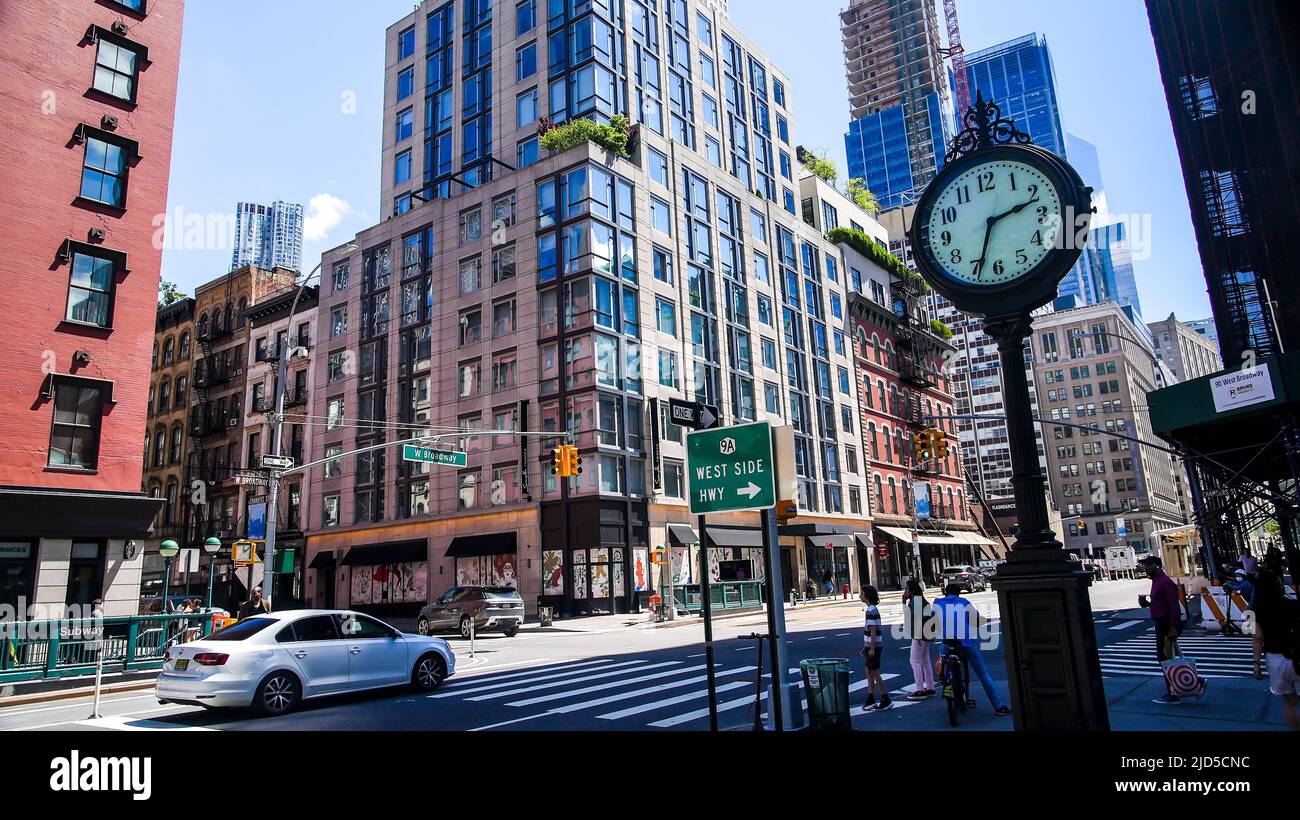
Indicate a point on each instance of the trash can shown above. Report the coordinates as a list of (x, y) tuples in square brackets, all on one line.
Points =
[(826, 687)]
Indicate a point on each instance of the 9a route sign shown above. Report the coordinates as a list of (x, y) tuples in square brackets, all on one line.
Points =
[(731, 468)]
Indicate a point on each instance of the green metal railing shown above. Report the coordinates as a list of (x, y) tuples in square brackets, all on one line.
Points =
[(34, 650), (722, 595)]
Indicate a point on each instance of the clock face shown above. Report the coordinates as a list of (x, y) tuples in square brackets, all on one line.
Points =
[(994, 222)]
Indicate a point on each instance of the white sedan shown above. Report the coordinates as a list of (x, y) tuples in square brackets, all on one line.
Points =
[(272, 662)]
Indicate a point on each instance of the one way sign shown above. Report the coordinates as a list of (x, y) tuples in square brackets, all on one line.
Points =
[(692, 414)]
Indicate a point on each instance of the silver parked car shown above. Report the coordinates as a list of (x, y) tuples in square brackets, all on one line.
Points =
[(274, 661), (491, 609)]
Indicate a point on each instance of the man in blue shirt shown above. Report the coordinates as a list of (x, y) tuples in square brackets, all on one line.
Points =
[(958, 622)]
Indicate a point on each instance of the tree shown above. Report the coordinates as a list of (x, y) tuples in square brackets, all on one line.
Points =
[(820, 166), (861, 195), (168, 293)]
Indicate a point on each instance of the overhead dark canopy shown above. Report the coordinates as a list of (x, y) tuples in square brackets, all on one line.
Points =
[(682, 534), (394, 553), (735, 537), (58, 513), (828, 541), (322, 560), (497, 543)]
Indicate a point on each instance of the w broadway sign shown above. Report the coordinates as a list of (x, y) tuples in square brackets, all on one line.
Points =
[(731, 468)]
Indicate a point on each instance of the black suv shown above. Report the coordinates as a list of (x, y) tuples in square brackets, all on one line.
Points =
[(492, 609), (965, 576)]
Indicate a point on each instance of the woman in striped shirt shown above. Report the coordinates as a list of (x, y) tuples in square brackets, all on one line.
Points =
[(873, 646)]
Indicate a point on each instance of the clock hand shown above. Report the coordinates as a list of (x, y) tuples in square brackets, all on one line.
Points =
[(1015, 210), (988, 231)]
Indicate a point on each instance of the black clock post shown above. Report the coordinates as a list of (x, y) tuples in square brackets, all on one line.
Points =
[(1047, 627)]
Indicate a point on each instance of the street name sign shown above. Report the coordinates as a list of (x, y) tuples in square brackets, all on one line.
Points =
[(276, 462), (731, 468), (431, 455), (692, 414)]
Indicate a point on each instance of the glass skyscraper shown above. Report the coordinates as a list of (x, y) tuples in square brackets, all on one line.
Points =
[(1019, 77), (269, 236), (899, 97)]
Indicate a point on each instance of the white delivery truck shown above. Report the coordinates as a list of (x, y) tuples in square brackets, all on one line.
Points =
[(1121, 560)]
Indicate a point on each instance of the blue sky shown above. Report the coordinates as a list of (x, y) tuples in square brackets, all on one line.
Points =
[(261, 116)]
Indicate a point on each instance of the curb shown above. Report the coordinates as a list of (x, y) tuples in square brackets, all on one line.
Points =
[(694, 620), (69, 694)]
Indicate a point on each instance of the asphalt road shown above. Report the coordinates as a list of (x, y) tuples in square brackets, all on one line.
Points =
[(625, 678)]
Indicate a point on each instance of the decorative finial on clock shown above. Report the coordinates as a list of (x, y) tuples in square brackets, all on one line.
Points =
[(985, 126)]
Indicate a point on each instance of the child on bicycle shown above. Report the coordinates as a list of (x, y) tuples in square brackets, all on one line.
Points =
[(873, 647)]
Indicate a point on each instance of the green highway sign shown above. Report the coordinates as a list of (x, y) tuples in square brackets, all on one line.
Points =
[(452, 458), (731, 468)]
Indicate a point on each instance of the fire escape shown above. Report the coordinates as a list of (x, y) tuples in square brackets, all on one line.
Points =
[(205, 422)]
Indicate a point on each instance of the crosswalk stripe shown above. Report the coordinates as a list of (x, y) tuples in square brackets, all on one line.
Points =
[(600, 687), (600, 675), (591, 704), (478, 679), (659, 704), (1125, 624), (126, 723), (567, 673), (725, 706)]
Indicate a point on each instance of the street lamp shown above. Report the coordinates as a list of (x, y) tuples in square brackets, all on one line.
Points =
[(277, 426), (167, 550), (211, 546)]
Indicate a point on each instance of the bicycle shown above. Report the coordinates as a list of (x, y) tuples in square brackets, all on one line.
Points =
[(758, 678), (955, 677)]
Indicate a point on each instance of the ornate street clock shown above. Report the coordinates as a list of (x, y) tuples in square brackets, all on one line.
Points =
[(995, 232), (1002, 223)]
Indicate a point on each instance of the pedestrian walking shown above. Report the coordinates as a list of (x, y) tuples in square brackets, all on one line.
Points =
[(828, 583), (253, 606), (873, 647), (1277, 643), (916, 612), (1166, 614)]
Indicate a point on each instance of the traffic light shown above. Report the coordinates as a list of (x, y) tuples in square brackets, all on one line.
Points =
[(940, 439), (565, 461), (923, 445)]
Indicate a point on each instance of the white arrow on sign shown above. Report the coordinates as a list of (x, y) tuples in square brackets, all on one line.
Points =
[(706, 418), (750, 491)]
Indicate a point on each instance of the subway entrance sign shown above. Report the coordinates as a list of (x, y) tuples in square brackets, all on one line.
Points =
[(731, 468), (431, 455)]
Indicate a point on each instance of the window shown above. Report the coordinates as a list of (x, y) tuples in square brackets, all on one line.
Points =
[(103, 174), (74, 437), (657, 166), (471, 225), (334, 414), (90, 290), (115, 68), (527, 153), (526, 108), (674, 478), (85, 573), (406, 83), (405, 125), (330, 511), (525, 16), (660, 216), (405, 43), (526, 61), (402, 168)]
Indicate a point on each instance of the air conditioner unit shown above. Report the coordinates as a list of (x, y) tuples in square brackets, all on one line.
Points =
[(119, 28)]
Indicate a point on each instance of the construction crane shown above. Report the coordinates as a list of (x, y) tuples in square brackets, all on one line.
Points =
[(958, 56)]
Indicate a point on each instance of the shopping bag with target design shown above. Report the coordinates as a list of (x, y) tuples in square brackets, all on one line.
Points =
[(1181, 675)]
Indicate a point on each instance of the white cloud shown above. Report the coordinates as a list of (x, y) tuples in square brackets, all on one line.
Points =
[(324, 212)]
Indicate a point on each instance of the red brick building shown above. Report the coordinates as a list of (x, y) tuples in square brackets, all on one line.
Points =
[(903, 384), (89, 93)]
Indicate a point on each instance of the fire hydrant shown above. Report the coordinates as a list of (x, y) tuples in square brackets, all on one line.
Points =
[(844, 591)]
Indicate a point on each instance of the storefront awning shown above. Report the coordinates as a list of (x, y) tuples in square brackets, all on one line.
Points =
[(497, 543), (735, 537), (923, 537), (829, 541), (682, 535), (394, 553), (322, 560)]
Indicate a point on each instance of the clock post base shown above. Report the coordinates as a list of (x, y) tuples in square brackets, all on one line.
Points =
[(1051, 646)]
